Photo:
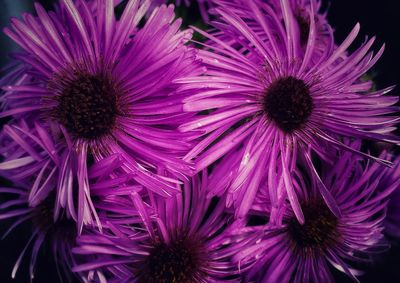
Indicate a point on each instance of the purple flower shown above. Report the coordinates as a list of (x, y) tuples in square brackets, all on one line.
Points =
[(294, 252), (270, 99), (52, 226), (393, 210), (97, 87), (33, 160), (302, 10), (393, 217), (60, 234), (185, 238)]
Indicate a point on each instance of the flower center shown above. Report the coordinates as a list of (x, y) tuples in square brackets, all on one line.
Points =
[(178, 261), (63, 229), (319, 230), (87, 105), (288, 103)]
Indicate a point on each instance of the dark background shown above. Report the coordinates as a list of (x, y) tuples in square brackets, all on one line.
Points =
[(380, 18)]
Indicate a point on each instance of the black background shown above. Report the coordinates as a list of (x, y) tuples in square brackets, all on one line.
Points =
[(380, 18)]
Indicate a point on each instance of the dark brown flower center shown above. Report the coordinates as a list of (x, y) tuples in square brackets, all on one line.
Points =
[(288, 103), (178, 261), (319, 230), (87, 105), (63, 229)]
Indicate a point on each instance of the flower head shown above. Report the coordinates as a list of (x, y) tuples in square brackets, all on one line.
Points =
[(185, 238), (391, 178), (275, 100), (59, 235), (98, 86), (393, 215), (303, 10), (294, 252), (50, 224)]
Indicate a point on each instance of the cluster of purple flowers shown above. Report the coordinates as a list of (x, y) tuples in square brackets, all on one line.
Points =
[(139, 154)]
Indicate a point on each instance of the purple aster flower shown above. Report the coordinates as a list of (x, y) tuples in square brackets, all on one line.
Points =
[(393, 217), (60, 231), (294, 252), (185, 238), (393, 211), (303, 10), (59, 234), (272, 100), (98, 86), (31, 161)]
